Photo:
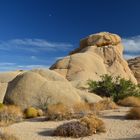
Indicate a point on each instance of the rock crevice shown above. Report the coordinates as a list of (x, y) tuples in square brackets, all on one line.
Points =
[(98, 54)]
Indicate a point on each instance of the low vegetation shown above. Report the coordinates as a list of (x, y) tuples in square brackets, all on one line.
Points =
[(5, 136), (57, 112), (86, 126), (60, 112), (105, 104), (72, 129), (115, 87), (134, 113), (81, 108), (32, 112), (10, 114), (130, 101)]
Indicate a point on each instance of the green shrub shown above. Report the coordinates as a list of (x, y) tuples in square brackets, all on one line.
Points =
[(115, 87)]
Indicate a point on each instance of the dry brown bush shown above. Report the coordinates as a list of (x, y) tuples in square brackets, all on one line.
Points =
[(85, 127), (5, 136), (72, 129), (130, 101), (81, 107), (62, 112), (93, 123), (105, 104), (57, 112), (10, 114), (134, 113)]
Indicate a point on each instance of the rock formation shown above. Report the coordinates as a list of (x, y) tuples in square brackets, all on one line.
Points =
[(134, 65), (38, 87), (6, 77), (97, 55)]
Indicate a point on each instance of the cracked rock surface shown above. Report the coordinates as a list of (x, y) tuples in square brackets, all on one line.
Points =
[(134, 65), (98, 54)]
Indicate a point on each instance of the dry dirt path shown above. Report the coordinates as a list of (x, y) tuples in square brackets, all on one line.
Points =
[(117, 128)]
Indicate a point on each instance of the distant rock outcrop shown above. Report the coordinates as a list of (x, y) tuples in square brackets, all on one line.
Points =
[(39, 86), (6, 77), (134, 65), (97, 55)]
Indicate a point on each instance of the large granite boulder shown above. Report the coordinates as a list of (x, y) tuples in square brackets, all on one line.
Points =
[(40, 87), (97, 55), (5, 78), (134, 65)]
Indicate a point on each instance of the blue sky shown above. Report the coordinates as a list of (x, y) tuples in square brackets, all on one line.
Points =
[(35, 33)]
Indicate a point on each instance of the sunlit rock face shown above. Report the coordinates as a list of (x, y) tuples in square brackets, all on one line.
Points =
[(98, 54), (134, 65), (39, 87)]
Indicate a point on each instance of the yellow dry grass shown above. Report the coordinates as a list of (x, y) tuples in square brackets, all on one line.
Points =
[(105, 104), (93, 123), (130, 101), (62, 112), (81, 107), (6, 135), (134, 113), (10, 114)]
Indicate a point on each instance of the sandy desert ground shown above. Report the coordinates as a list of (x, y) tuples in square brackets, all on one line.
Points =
[(118, 128)]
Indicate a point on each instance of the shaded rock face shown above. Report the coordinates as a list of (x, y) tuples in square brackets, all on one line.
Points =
[(5, 78), (134, 65), (39, 86), (97, 55)]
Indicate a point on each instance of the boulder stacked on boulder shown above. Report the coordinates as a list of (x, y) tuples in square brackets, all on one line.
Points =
[(97, 55)]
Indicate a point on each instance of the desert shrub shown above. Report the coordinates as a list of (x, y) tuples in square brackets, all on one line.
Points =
[(93, 123), (133, 113), (1, 105), (72, 129), (130, 101), (31, 112), (57, 112), (10, 114), (62, 112), (115, 87), (81, 107), (40, 112), (42, 102), (5, 136), (85, 127), (104, 104)]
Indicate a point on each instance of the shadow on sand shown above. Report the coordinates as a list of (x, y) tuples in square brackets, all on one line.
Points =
[(39, 119), (48, 132), (116, 117)]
